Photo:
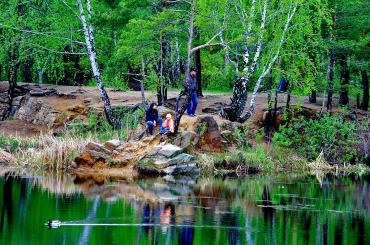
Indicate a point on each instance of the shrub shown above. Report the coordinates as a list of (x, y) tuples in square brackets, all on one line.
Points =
[(333, 135)]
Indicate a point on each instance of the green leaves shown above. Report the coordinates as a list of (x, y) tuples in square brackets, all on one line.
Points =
[(336, 137)]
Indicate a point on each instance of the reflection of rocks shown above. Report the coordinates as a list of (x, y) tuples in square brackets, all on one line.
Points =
[(59, 184), (7, 158), (150, 190)]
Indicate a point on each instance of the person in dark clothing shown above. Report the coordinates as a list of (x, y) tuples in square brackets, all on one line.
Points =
[(193, 94), (151, 117), (283, 85)]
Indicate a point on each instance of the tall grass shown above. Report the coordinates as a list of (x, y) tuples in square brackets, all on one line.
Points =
[(49, 152), (46, 152)]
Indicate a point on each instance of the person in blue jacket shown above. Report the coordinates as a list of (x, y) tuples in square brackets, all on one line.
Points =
[(193, 94), (151, 117)]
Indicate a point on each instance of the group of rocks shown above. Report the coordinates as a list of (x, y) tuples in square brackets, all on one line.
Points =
[(155, 156)]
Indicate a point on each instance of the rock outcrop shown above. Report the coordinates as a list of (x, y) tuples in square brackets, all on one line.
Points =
[(146, 156), (201, 132), (167, 160)]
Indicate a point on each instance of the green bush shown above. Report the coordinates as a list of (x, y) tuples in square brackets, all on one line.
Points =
[(333, 135)]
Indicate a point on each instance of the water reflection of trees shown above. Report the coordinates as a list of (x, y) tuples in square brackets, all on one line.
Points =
[(276, 208), (272, 210)]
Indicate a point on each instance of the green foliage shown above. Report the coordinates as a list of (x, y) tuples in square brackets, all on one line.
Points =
[(9, 143), (336, 137), (240, 136), (98, 127)]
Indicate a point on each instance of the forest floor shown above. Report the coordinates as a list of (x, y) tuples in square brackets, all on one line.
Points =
[(83, 93)]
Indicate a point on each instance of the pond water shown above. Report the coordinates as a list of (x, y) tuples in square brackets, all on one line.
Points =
[(251, 210)]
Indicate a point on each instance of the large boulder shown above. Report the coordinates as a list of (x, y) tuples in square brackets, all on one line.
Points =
[(184, 139), (115, 154), (112, 144), (167, 160), (166, 151), (7, 158), (94, 153), (208, 134), (202, 132)]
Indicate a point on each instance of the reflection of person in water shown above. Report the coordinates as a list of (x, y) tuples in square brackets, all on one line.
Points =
[(186, 237), (168, 220), (146, 217), (167, 216)]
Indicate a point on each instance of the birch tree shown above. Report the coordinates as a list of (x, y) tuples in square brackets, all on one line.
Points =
[(88, 31), (239, 99)]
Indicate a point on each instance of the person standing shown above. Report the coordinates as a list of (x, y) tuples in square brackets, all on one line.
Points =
[(193, 94), (151, 117)]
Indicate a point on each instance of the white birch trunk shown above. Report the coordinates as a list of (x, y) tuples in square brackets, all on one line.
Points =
[(267, 70), (142, 89), (89, 40), (247, 37), (190, 43)]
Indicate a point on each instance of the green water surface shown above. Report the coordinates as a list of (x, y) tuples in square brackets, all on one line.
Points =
[(251, 210)]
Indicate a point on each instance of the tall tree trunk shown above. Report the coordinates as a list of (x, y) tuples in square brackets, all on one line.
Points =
[(14, 62), (274, 119), (90, 46), (180, 109), (329, 103), (198, 64), (142, 89), (344, 80), (177, 71), (239, 99), (365, 84), (358, 101)]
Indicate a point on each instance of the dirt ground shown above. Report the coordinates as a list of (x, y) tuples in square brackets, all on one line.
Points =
[(210, 100)]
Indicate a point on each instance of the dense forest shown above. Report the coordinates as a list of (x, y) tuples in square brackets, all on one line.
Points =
[(318, 46)]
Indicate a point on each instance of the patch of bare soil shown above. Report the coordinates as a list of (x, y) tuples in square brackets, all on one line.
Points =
[(21, 128)]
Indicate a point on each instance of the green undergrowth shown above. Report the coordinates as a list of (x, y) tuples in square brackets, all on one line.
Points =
[(339, 139), (97, 126)]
